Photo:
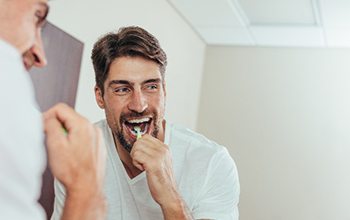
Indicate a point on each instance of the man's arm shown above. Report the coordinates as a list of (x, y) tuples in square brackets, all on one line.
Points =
[(84, 205), (77, 159), (22, 155), (178, 210), (153, 156), (220, 195)]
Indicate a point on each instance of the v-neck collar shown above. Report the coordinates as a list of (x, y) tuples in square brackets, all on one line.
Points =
[(119, 163)]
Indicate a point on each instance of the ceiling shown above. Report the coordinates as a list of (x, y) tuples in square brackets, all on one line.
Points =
[(285, 23)]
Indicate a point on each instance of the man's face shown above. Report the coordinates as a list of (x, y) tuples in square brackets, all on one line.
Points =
[(21, 23), (134, 95)]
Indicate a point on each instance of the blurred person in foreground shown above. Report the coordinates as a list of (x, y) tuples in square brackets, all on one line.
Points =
[(76, 158)]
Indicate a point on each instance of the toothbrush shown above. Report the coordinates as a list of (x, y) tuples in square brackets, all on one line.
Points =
[(64, 130), (138, 132)]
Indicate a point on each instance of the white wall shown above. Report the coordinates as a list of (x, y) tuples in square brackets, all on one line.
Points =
[(87, 20), (285, 116)]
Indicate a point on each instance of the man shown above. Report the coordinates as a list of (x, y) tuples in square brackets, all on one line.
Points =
[(76, 157), (155, 170)]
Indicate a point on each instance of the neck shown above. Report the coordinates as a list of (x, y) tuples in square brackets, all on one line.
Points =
[(125, 157)]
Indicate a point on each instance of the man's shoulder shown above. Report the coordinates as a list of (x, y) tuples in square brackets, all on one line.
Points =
[(193, 140), (197, 157), (8, 50), (101, 124)]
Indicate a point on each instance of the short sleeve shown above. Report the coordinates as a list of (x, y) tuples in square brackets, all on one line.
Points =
[(219, 196), (60, 195), (22, 152)]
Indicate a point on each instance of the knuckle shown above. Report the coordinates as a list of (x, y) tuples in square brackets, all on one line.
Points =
[(61, 105), (136, 154), (164, 150)]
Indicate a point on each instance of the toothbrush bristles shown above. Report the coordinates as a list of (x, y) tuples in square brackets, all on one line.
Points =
[(138, 132)]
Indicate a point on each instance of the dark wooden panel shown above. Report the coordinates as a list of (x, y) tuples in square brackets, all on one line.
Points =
[(57, 82)]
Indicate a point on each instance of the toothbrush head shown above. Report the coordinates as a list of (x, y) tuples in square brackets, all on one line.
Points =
[(138, 132), (64, 130)]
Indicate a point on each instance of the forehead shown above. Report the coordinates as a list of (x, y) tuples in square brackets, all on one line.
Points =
[(35, 2), (30, 5), (27, 4), (40, 1), (133, 69)]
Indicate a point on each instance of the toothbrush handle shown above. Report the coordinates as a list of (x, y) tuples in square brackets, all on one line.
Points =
[(138, 135)]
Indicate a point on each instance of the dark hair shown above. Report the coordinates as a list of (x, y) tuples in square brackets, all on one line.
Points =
[(128, 41)]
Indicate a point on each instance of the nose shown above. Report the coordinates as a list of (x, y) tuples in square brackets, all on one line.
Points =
[(138, 102), (38, 52)]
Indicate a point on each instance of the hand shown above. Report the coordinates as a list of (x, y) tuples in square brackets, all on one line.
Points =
[(153, 156), (76, 157)]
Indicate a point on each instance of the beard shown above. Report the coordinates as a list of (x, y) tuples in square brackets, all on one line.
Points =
[(127, 145)]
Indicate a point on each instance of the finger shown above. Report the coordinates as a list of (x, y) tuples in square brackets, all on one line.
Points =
[(137, 161), (52, 112), (149, 147), (138, 165), (152, 141), (142, 161), (55, 137), (65, 114), (53, 129)]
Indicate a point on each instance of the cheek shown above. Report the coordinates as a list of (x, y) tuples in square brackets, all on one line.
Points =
[(162, 100), (113, 118), (114, 108), (159, 104), (29, 33)]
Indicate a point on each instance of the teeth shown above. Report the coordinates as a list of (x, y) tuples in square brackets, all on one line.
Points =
[(140, 120)]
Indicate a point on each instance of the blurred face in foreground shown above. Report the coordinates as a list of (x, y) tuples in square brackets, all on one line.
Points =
[(21, 22)]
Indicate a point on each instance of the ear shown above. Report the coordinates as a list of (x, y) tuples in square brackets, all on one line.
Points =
[(99, 98)]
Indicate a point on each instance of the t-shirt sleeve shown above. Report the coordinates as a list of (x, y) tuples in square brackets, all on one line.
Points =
[(60, 195), (22, 153), (219, 196)]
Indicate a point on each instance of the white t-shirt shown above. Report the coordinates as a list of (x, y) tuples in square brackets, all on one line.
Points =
[(22, 154), (205, 173)]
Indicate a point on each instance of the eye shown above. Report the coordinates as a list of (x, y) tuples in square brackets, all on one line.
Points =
[(40, 21), (152, 87), (121, 90), (40, 16)]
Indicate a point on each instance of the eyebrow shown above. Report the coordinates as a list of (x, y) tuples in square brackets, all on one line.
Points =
[(125, 82), (157, 80)]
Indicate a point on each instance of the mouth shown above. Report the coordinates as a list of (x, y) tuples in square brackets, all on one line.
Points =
[(141, 124)]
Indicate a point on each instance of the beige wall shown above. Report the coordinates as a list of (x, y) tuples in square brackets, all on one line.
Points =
[(87, 20), (283, 113), (285, 116)]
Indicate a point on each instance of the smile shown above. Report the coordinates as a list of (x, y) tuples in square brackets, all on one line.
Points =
[(142, 123)]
